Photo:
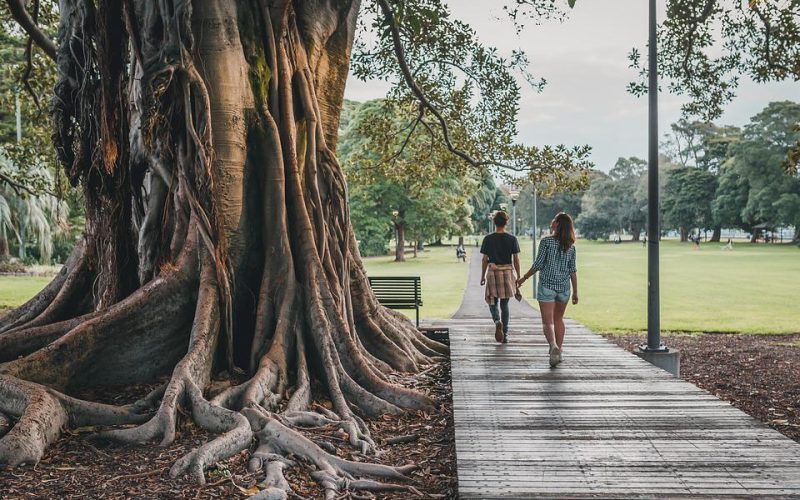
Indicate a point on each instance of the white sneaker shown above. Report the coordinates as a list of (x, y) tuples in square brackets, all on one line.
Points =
[(555, 356)]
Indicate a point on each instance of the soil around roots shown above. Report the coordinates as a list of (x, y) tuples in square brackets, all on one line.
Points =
[(78, 465)]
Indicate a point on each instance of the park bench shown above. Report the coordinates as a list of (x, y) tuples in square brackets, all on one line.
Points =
[(398, 292)]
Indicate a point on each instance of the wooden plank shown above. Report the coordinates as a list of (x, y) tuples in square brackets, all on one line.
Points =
[(602, 424)]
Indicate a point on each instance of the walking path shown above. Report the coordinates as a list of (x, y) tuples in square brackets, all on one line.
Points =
[(604, 423)]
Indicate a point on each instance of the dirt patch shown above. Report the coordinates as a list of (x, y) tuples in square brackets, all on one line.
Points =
[(759, 374), (76, 466)]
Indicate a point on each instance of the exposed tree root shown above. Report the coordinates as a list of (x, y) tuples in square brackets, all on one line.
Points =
[(277, 441), (5, 424), (59, 300), (42, 413), (23, 341)]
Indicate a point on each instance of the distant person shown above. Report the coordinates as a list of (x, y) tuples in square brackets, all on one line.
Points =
[(644, 241), (556, 261), (728, 245), (461, 253), (500, 260)]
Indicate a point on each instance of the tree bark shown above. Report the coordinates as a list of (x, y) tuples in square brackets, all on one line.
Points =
[(400, 245), (203, 135), (716, 236), (684, 234), (5, 251)]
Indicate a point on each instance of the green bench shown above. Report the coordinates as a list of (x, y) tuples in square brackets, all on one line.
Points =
[(398, 292)]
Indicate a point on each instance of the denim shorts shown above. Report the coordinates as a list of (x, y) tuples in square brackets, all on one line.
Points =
[(544, 294)]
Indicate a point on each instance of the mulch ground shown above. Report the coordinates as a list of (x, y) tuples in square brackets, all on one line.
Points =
[(759, 374), (77, 466)]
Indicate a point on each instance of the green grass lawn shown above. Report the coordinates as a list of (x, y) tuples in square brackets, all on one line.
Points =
[(443, 278), (752, 289), (16, 290)]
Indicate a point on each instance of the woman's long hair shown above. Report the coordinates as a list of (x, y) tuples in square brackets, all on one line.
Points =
[(565, 231)]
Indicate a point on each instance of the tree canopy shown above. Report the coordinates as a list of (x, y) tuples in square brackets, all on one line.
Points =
[(706, 46)]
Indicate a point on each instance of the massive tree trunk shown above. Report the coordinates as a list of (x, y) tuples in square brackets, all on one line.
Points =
[(5, 251), (716, 235), (217, 238), (400, 242)]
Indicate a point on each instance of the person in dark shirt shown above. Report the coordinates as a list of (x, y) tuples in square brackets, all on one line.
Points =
[(500, 259)]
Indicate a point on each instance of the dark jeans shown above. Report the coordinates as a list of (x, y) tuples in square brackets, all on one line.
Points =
[(503, 310)]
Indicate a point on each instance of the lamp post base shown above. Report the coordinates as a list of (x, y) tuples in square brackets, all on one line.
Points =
[(661, 357)]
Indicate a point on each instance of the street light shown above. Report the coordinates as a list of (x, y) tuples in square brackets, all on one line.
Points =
[(653, 299), (514, 195), (395, 213), (534, 234)]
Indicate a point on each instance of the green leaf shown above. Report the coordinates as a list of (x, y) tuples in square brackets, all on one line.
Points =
[(571, 3)]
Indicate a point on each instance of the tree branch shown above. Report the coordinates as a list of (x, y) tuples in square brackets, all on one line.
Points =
[(16, 186), (21, 15), (771, 64), (696, 21), (423, 98), (408, 136)]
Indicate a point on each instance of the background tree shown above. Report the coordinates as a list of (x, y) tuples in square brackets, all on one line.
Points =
[(706, 46), (404, 172), (629, 176), (757, 172), (28, 74), (218, 234), (704, 146), (551, 200), (688, 196), (30, 223), (615, 202), (600, 210)]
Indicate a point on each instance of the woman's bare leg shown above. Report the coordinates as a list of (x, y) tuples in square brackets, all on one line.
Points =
[(558, 323), (546, 308)]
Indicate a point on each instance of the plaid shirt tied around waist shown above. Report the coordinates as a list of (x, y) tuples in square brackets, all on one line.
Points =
[(500, 283)]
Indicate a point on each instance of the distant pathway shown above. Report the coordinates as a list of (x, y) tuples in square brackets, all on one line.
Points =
[(473, 305), (602, 424)]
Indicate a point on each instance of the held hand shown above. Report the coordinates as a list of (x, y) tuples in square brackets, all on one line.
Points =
[(520, 281), (574, 298), (483, 281)]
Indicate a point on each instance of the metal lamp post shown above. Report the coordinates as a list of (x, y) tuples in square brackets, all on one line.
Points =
[(535, 233), (395, 213), (653, 230), (514, 195)]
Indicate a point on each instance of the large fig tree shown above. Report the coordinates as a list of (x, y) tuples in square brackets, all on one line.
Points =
[(203, 134)]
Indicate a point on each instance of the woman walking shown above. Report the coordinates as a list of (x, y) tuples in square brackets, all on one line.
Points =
[(556, 263)]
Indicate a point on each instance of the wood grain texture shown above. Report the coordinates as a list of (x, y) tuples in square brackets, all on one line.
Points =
[(603, 424)]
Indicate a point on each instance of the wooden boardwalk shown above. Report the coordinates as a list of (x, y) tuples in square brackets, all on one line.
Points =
[(603, 424)]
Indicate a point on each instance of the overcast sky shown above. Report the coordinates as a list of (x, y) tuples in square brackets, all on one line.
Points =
[(585, 63)]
